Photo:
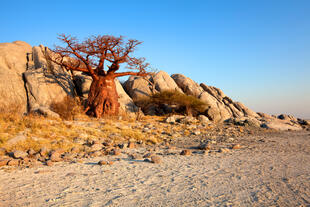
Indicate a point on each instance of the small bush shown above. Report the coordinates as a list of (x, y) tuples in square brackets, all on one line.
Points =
[(68, 108), (183, 103)]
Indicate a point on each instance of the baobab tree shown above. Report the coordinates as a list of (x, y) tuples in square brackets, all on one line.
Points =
[(100, 57)]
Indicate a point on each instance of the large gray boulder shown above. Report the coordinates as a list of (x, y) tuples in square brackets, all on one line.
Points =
[(138, 87), (187, 85), (163, 82), (216, 111), (126, 103), (13, 62), (281, 125), (46, 83)]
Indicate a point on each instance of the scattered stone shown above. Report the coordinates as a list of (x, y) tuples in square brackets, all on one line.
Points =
[(303, 122), (3, 162), (49, 163), (196, 133), (131, 145), (186, 152), (2, 151), (17, 154), (55, 156), (236, 146), (102, 162), (44, 151), (31, 152), (205, 147), (148, 155), (110, 163), (135, 156), (96, 147), (155, 159), (146, 160), (13, 162), (75, 150), (116, 151), (203, 119), (224, 150)]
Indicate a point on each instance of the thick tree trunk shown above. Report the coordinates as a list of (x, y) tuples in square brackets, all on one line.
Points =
[(103, 97)]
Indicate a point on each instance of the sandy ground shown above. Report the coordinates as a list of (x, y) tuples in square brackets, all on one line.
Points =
[(271, 170)]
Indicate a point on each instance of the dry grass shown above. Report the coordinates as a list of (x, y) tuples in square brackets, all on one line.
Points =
[(184, 104), (68, 108)]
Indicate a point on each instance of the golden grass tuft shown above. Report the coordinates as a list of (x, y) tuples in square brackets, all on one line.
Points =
[(68, 108)]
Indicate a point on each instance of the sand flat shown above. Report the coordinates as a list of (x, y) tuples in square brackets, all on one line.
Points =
[(272, 172)]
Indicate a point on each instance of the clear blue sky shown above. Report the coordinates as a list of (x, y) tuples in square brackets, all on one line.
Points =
[(256, 51)]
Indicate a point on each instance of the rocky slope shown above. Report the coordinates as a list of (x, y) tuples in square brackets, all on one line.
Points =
[(31, 83)]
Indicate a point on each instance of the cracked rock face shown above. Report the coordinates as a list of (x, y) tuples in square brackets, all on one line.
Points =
[(46, 82), (13, 62)]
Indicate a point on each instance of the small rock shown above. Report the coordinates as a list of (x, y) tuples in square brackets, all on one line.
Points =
[(17, 154), (236, 146), (155, 159), (102, 162), (186, 152), (122, 146), (116, 151), (31, 152), (3, 162), (2, 151), (55, 156), (224, 150), (44, 151), (13, 162), (131, 145), (110, 163), (148, 155), (75, 150), (204, 147), (135, 156), (196, 133), (49, 163), (96, 147), (203, 119)]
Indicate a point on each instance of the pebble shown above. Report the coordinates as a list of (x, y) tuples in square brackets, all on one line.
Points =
[(96, 147), (49, 163), (155, 159), (17, 154), (131, 145), (186, 152), (4, 162), (116, 151), (237, 146), (2, 151), (13, 162), (31, 152), (102, 162), (224, 150), (205, 147), (148, 155)]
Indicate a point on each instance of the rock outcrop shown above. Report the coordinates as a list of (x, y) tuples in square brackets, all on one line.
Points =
[(45, 82), (138, 87), (13, 62), (220, 106), (164, 82), (30, 82)]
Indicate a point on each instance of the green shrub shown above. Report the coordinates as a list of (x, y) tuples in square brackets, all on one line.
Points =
[(182, 103)]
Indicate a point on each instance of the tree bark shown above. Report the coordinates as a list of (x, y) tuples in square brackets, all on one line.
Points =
[(103, 97)]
